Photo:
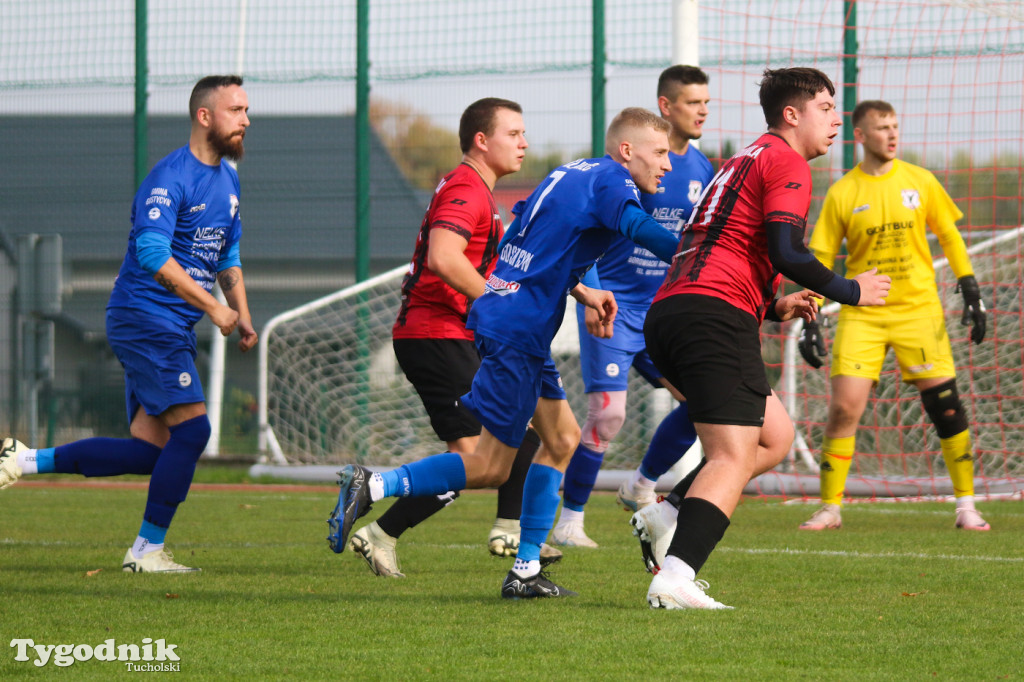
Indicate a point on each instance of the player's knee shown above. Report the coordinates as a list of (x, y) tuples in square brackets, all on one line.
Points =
[(560, 446), (842, 415), (193, 433), (945, 409), (606, 414)]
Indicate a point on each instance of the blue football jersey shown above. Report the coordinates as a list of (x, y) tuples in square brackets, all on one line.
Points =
[(563, 227), (197, 207), (629, 270)]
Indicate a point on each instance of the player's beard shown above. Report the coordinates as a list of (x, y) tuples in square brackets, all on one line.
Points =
[(229, 146)]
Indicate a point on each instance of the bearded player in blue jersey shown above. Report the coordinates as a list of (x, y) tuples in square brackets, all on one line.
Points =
[(634, 274), (185, 233), (564, 226)]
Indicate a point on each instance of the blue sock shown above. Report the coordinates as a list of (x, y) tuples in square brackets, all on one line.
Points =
[(540, 503), (432, 475), (581, 476), (152, 533), (673, 437), (172, 474), (103, 457), (44, 461)]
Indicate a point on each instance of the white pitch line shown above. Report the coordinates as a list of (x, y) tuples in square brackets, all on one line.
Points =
[(870, 555)]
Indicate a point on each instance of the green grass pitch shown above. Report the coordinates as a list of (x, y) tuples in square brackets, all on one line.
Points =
[(897, 594)]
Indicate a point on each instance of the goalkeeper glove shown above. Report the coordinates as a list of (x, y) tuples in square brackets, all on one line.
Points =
[(974, 307), (812, 339)]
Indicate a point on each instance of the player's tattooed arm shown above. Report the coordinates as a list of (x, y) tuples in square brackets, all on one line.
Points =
[(165, 281), (228, 279)]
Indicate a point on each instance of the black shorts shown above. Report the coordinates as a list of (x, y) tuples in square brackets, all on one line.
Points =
[(442, 370), (711, 351)]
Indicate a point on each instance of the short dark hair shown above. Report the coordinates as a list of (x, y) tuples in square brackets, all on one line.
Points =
[(206, 85), (862, 109), (674, 77), (479, 118), (781, 88)]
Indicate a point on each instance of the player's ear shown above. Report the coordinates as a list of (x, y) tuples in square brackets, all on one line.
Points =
[(204, 116), (790, 115), (858, 135), (663, 104), (626, 150), (480, 141)]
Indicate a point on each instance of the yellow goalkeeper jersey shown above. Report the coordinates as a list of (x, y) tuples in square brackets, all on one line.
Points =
[(883, 220)]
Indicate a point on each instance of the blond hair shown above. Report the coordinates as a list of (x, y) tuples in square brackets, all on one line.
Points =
[(629, 121)]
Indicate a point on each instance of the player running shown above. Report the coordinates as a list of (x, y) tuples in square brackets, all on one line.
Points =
[(186, 230), (703, 328), (559, 232)]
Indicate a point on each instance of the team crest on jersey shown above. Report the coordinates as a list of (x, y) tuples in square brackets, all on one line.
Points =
[(234, 204), (694, 193), (911, 198)]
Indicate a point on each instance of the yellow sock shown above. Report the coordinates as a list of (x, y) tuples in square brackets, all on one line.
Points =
[(956, 450), (836, 458)]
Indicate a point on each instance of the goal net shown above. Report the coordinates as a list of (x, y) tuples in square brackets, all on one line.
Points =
[(331, 390), (897, 449)]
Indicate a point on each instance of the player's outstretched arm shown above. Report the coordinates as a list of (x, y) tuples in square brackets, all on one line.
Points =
[(233, 285), (787, 253), (873, 287)]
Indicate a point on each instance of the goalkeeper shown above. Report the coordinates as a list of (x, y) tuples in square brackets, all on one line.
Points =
[(881, 208)]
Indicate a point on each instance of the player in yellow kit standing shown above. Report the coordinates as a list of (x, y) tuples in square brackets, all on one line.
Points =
[(882, 208)]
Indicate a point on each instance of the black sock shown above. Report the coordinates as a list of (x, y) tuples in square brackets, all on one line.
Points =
[(699, 528), (510, 494), (678, 493), (406, 512)]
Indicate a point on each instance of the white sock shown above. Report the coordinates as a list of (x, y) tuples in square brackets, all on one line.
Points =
[(638, 480), (142, 547), (526, 569), (376, 487), (570, 516), (965, 502), (26, 459), (675, 565)]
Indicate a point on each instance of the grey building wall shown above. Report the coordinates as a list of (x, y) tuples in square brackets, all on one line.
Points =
[(73, 176)]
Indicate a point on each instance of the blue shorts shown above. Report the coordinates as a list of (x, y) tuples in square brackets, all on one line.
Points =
[(605, 362), (159, 361), (506, 388)]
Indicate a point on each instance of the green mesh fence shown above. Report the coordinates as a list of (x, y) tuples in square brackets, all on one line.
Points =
[(953, 69)]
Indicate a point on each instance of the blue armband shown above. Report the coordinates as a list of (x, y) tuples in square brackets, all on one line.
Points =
[(231, 259), (636, 224), (153, 249), (590, 278), (510, 232)]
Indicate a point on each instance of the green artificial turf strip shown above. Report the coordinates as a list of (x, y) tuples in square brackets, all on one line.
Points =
[(896, 594)]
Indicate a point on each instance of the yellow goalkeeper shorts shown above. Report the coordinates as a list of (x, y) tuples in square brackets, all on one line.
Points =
[(921, 345)]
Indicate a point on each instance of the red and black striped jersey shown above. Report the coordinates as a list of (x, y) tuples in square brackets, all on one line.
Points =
[(723, 249), (430, 308)]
